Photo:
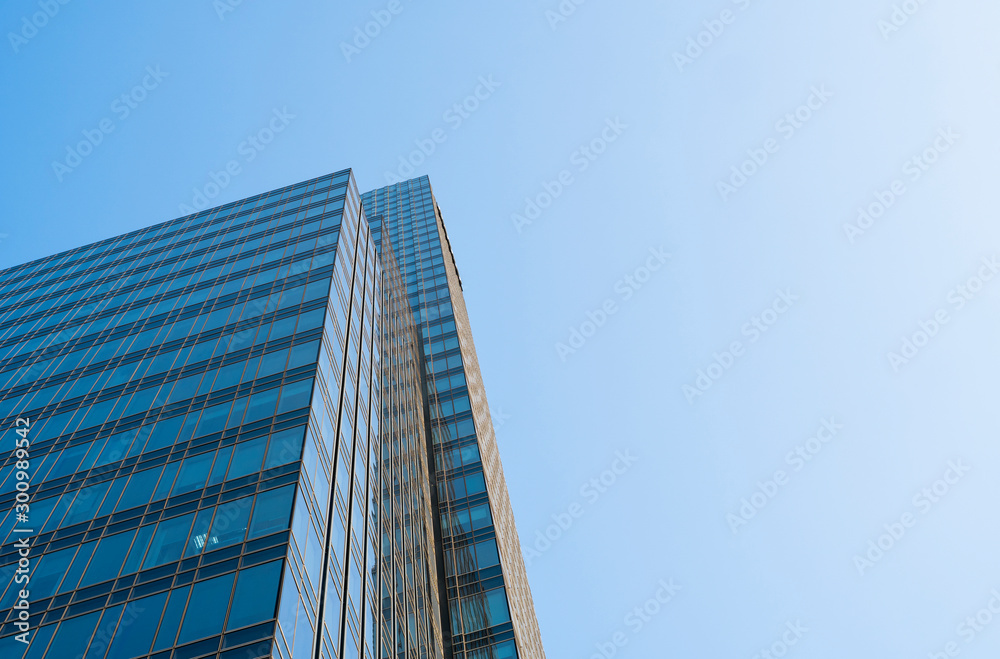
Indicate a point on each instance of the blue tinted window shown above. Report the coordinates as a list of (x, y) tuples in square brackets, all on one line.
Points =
[(138, 549), (256, 595), (273, 362), (475, 483), (271, 512), (85, 505), (302, 354), (230, 523), (210, 601), (496, 607), (168, 541), (171, 618), (261, 405), (115, 448), (213, 419), (486, 554), (199, 532), (481, 516), (295, 395), (59, 511), (285, 447), (105, 630), (221, 464), (138, 624), (72, 635), (77, 568), (247, 458), (69, 460), (193, 472), (164, 433), (108, 558), (49, 571), (166, 480), (38, 643), (236, 416), (113, 495), (140, 487), (40, 511)]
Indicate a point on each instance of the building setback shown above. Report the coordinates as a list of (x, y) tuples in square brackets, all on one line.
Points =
[(258, 430)]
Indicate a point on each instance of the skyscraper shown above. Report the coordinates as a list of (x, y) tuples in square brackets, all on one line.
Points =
[(486, 581), (241, 441)]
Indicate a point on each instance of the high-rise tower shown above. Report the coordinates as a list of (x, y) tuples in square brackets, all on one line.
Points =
[(228, 450), (490, 607)]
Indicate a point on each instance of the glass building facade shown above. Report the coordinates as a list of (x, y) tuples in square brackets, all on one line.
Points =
[(234, 449), (489, 606)]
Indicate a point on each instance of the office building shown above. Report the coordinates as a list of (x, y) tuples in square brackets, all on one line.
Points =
[(237, 447)]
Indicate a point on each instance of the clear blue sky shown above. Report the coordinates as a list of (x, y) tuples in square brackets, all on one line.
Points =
[(830, 303)]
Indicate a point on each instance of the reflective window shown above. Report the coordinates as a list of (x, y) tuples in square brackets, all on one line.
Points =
[(209, 604)]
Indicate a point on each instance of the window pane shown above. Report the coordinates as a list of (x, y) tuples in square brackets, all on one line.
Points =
[(230, 523), (486, 554), (138, 549), (108, 558), (76, 569), (72, 635), (213, 419), (171, 618), (38, 642), (49, 571), (105, 628), (210, 602), (193, 472), (199, 532), (261, 405), (256, 595), (285, 447), (168, 541), (496, 605), (247, 458), (135, 634), (295, 395), (139, 489), (272, 510), (85, 505)]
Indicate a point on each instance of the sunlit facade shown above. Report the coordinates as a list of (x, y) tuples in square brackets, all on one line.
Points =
[(490, 611)]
